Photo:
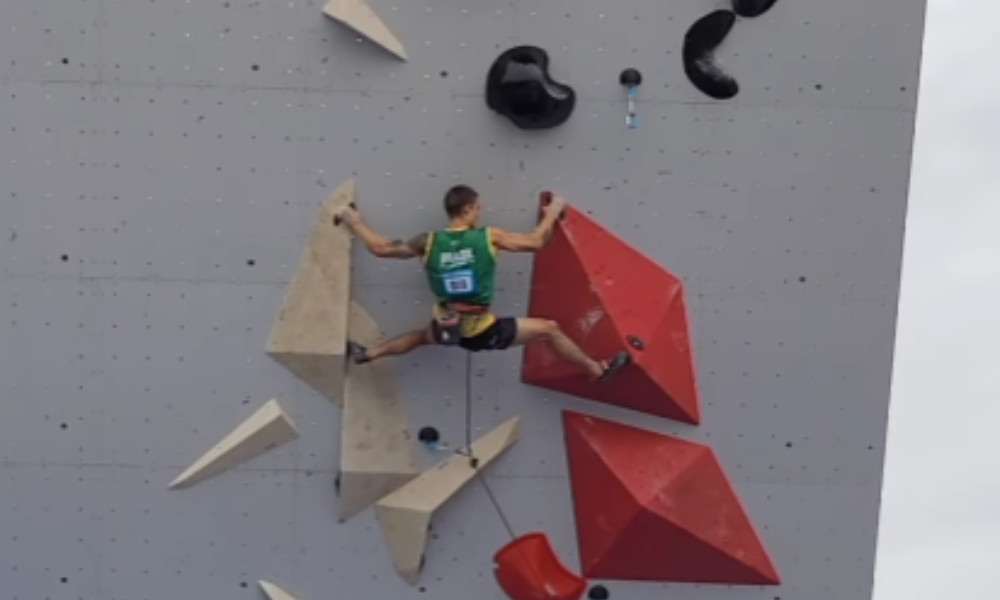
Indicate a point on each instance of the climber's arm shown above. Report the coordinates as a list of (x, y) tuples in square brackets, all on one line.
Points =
[(537, 239), (378, 244)]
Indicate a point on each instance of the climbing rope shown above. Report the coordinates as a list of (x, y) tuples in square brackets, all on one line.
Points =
[(473, 461), (541, 578)]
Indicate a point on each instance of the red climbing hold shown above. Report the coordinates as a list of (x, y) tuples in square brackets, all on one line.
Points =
[(609, 297), (528, 569), (658, 508)]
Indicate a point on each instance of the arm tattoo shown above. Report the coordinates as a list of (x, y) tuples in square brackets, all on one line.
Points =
[(418, 244)]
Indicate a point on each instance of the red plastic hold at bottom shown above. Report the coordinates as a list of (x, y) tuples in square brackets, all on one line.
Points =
[(528, 569)]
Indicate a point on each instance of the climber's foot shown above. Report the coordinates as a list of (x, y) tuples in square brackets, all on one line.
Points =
[(358, 353), (611, 367)]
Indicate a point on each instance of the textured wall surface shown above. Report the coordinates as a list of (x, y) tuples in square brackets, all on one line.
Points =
[(162, 162)]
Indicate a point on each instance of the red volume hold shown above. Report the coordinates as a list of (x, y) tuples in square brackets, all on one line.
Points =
[(651, 507), (528, 569), (607, 296)]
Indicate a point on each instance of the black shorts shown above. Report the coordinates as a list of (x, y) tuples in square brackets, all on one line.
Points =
[(498, 336)]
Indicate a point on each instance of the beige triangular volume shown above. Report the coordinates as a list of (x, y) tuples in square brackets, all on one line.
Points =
[(405, 515), (309, 337), (377, 453), (357, 15), (274, 592), (267, 428)]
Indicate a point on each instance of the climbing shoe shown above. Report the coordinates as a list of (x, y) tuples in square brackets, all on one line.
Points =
[(611, 367), (358, 353)]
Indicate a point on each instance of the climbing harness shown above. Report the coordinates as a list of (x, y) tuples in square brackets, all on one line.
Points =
[(447, 324), (447, 329)]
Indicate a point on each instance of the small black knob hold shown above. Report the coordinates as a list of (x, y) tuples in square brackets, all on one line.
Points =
[(630, 78), (636, 343), (429, 435), (598, 592)]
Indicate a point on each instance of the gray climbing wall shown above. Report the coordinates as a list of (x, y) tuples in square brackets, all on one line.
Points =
[(162, 162)]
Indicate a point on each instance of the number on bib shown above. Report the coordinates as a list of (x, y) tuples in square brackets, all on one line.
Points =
[(459, 282)]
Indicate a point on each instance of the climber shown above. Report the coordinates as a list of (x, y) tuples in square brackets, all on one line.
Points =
[(461, 263)]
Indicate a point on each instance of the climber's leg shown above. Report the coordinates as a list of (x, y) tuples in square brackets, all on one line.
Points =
[(403, 344), (531, 330)]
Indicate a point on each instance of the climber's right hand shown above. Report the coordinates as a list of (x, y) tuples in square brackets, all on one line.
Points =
[(554, 209), (348, 214)]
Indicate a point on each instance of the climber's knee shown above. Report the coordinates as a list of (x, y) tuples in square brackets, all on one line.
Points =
[(534, 329)]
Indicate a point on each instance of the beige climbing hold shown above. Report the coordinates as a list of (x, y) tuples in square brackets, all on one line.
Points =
[(267, 428), (377, 453), (405, 515), (309, 337), (274, 592), (357, 15)]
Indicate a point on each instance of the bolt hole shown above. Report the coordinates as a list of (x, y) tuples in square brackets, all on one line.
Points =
[(636, 343)]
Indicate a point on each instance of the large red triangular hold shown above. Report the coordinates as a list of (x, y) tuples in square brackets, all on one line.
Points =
[(656, 508), (608, 297)]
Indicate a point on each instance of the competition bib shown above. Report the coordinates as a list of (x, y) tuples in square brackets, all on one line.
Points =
[(459, 282)]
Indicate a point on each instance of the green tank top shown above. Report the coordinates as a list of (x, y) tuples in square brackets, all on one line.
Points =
[(461, 265)]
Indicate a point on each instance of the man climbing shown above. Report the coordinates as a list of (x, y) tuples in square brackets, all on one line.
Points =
[(461, 263)]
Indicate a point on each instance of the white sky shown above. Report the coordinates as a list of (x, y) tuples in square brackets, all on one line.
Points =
[(940, 520)]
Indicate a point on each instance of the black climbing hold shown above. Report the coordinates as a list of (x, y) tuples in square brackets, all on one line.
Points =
[(752, 8), (700, 63), (520, 88), (636, 342), (598, 592), (429, 435), (336, 483), (630, 78)]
